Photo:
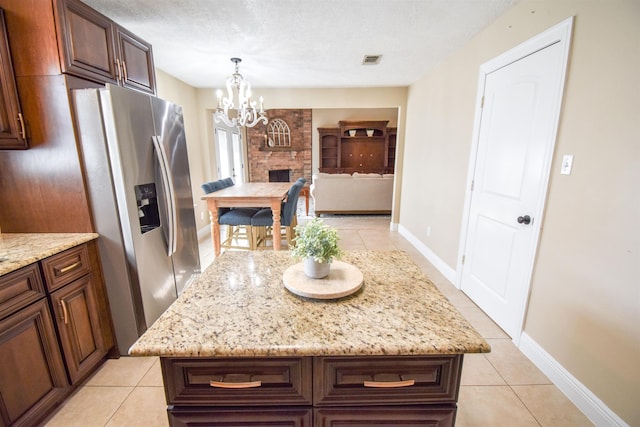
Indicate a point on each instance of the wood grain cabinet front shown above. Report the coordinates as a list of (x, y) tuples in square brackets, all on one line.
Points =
[(237, 382), (96, 48), (249, 417), (31, 366), (396, 416), (13, 134), (53, 332), (72, 284), (78, 323), (363, 146), (20, 288), (65, 267), (332, 391), (376, 380)]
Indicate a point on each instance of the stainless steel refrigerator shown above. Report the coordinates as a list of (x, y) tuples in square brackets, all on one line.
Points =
[(137, 175)]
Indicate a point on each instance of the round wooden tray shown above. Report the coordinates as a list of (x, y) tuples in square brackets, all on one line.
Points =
[(343, 279)]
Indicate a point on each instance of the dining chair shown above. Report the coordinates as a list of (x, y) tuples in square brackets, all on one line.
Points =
[(262, 221), (237, 220)]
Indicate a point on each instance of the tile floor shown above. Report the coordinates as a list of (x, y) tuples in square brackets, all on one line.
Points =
[(501, 388)]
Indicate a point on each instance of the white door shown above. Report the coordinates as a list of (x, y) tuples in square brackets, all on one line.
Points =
[(230, 153), (515, 138)]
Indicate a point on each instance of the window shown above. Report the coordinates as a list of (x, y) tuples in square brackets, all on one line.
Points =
[(278, 134)]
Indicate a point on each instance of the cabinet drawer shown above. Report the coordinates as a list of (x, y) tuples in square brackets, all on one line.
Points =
[(237, 381), (258, 417), (20, 288), (390, 416), (386, 380), (66, 267)]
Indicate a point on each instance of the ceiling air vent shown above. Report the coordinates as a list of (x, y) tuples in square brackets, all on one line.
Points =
[(371, 59)]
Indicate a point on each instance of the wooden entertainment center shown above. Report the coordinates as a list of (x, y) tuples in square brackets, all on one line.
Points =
[(358, 146)]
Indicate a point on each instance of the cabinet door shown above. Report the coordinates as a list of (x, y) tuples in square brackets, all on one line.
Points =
[(86, 42), (31, 367), (12, 127), (373, 156), (136, 59), (349, 155), (79, 326)]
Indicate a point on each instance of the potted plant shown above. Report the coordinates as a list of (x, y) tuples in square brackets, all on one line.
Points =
[(317, 245)]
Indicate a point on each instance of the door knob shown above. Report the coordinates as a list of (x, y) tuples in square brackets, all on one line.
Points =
[(524, 219)]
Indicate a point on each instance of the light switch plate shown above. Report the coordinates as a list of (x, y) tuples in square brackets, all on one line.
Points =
[(567, 164)]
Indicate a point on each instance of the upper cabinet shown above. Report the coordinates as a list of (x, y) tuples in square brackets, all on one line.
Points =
[(96, 48), (12, 126), (136, 61)]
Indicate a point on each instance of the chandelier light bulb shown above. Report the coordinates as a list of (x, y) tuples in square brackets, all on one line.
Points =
[(246, 113)]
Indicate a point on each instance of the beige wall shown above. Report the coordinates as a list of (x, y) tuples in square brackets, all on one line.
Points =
[(180, 93), (584, 307)]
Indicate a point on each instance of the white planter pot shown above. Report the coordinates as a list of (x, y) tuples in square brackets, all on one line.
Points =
[(314, 269)]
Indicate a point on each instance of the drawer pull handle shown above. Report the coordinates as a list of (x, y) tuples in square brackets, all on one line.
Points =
[(68, 268), (248, 384), (389, 384)]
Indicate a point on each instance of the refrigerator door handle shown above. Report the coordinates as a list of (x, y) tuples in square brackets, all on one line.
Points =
[(167, 183)]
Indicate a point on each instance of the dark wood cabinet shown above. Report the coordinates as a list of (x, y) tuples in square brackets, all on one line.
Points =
[(31, 366), (96, 48), (329, 148), (250, 417), (364, 146), (391, 149), (322, 391), (13, 134), (72, 285), (53, 332), (136, 59), (76, 313), (19, 289), (396, 416), (57, 46)]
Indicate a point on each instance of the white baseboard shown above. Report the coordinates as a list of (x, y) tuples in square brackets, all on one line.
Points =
[(434, 259), (581, 396), (204, 231), (393, 226), (593, 408)]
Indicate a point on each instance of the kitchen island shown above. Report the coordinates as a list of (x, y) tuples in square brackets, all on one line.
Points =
[(237, 346)]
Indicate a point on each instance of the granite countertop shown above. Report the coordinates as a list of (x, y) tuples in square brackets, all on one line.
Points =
[(21, 249), (239, 307)]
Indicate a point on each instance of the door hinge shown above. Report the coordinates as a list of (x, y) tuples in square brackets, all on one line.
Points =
[(482, 102), (463, 258), (472, 184)]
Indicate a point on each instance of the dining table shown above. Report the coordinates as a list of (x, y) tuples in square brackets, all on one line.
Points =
[(249, 194)]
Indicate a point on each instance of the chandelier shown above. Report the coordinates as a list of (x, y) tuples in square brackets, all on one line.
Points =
[(247, 114)]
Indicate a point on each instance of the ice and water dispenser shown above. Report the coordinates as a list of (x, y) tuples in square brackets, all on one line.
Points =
[(147, 202)]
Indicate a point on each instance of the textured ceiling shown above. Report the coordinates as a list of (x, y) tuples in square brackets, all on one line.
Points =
[(302, 43)]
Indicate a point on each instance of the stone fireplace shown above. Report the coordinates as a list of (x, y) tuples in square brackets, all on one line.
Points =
[(295, 159)]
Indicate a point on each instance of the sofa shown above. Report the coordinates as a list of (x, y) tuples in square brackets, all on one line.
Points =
[(357, 193)]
